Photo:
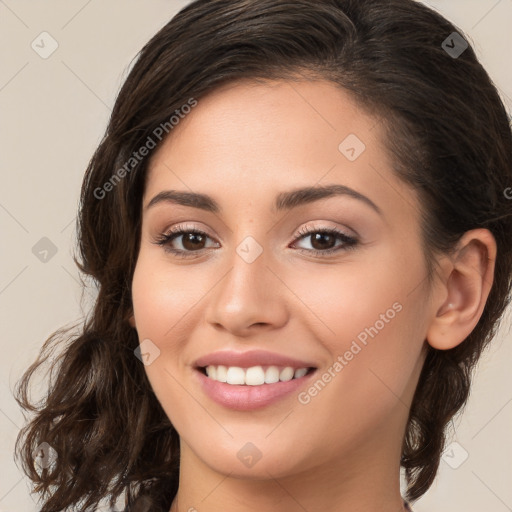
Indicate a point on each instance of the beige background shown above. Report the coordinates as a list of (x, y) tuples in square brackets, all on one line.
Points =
[(53, 114)]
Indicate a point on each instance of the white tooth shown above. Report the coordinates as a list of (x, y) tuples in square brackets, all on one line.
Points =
[(221, 373), (300, 373), (272, 375), (254, 376), (211, 371), (235, 375), (286, 374)]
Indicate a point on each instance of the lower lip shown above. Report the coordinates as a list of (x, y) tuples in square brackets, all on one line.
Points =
[(249, 398)]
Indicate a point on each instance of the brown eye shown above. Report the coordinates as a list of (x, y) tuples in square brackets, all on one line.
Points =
[(323, 241), (192, 241)]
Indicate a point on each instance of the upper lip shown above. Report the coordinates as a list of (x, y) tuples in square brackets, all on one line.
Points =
[(249, 359)]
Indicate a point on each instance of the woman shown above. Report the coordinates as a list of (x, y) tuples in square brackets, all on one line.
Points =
[(298, 228)]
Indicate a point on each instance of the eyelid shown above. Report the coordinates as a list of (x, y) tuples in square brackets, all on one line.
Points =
[(315, 226), (305, 229)]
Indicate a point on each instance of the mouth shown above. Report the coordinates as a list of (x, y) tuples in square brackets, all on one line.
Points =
[(254, 375), (252, 388)]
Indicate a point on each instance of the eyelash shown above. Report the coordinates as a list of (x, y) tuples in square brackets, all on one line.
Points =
[(165, 238)]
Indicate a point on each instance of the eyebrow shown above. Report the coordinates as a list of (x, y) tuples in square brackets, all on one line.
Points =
[(284, 200)]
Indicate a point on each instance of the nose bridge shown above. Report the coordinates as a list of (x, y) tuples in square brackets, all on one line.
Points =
[(248, 277), (243, 296)]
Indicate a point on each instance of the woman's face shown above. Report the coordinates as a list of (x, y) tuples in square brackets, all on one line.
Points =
[(256, 281)]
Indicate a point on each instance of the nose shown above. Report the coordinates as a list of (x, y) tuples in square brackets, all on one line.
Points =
[(249, 297)]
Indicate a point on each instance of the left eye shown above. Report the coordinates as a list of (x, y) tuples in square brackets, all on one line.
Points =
[(193, 242), (320, 238)]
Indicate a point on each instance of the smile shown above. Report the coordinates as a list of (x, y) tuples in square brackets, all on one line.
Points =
[(255, 375), (250, 380)]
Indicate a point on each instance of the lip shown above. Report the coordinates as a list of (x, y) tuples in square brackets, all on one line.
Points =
[(250, 358), (249, 398)]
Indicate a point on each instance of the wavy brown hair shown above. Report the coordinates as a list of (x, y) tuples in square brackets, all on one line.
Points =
[(450, 139)]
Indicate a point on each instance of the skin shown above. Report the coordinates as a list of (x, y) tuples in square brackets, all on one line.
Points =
[(243, 144)]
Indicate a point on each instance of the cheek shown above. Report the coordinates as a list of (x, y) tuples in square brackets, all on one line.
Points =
[(372, 325), (165, 305), (163, 298), (362, 297), (369, 385)]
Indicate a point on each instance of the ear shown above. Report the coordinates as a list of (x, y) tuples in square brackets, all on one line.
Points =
[(464, 290), (131, 319)]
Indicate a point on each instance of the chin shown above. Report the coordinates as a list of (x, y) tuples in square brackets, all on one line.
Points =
[(258, 460)]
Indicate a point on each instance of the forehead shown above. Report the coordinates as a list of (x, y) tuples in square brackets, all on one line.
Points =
[(247, 140), (252, 120)]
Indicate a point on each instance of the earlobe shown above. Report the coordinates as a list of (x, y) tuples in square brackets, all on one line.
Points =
[(465, 290), (131, 319)]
